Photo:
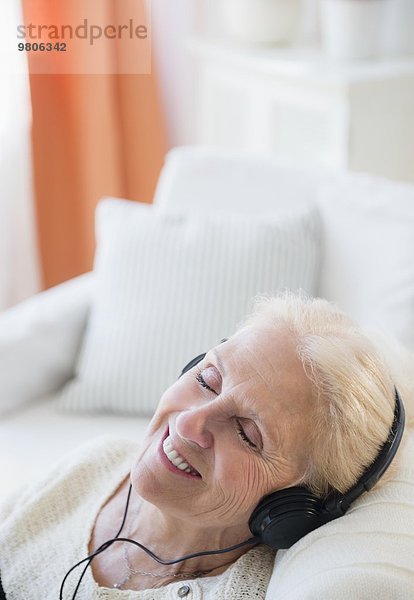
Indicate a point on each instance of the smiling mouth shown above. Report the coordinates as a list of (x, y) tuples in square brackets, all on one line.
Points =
[(176, 459)]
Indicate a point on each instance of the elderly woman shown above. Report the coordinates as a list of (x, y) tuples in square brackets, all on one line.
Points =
[(296, 397)]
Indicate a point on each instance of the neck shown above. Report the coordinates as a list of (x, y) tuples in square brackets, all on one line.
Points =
[(170, 538)]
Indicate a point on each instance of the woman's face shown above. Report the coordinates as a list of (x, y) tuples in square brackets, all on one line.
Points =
[(231, 430)]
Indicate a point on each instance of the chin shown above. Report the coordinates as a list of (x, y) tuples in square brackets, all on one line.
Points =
[(144, 483), (146, 477)]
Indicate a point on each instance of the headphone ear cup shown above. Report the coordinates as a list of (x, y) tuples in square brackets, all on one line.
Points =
[(282, 518)]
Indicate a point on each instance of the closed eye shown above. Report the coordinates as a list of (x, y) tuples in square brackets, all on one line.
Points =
[(239, 427), (203, 384), (243, 435)]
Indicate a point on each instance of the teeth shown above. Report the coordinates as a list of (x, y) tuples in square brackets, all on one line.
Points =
[(167, 443), (177, 460)]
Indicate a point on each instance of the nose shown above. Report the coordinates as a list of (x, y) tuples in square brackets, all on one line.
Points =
[(193, 425)]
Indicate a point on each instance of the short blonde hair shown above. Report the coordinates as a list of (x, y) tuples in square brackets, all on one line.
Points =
[(353, 391)]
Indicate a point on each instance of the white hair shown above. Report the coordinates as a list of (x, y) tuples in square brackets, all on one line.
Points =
[(353, 389)]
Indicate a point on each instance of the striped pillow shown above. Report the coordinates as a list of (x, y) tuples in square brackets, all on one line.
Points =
[(172, 286)]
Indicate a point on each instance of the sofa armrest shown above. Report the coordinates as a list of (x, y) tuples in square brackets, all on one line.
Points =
[(39, 341)]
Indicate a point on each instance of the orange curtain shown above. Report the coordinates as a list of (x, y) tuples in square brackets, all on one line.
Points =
[(94, 135)]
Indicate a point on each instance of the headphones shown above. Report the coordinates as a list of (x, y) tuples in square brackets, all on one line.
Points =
[(283, 517)]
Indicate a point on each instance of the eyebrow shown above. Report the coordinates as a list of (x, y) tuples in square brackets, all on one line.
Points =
[(222, 370)]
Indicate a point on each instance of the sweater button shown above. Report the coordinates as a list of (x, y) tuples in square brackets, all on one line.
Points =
[(183, 591)]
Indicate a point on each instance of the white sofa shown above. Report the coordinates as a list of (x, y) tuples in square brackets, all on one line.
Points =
[(367, 267), (41, 337)]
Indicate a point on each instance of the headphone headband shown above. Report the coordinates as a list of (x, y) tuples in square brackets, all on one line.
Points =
[(337, 506)]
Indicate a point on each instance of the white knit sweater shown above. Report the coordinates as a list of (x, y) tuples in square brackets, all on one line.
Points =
[(46, 529)]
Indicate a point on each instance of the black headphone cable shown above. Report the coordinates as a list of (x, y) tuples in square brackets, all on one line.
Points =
[(108, 543)]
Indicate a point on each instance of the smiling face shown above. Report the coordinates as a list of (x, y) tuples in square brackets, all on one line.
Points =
[(231, 430)]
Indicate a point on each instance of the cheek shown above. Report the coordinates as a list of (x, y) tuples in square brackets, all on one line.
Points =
[(144, 483), (145, 477), (176, 397), (242, 479), (171, 401), (256, 483)]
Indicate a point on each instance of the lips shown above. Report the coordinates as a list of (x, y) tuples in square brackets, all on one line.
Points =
[(174, 461)]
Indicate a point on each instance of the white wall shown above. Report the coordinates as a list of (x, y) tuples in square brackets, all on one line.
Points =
[(173, 23)]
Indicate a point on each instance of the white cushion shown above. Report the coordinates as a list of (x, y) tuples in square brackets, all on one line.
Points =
[(197, 178), (368, 553), (368, 223), (170, 287), (368, 255), (39, 341)]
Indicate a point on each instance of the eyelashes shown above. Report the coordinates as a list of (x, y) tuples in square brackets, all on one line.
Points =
[(203, 384), (239, 428), (243, 435)]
